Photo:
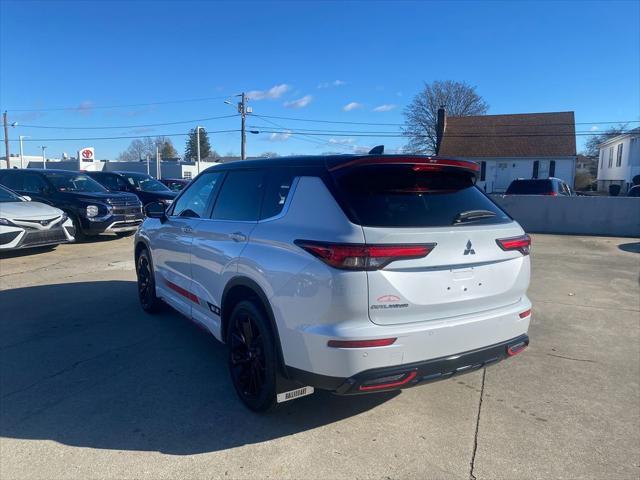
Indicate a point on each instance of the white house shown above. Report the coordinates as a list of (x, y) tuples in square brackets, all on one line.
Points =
[(619, 161), (507, 147)]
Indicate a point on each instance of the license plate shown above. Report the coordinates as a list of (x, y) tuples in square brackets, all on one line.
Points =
[(293, 394)]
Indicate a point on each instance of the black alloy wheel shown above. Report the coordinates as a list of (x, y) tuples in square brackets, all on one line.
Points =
[(146, 284), (252, 359)]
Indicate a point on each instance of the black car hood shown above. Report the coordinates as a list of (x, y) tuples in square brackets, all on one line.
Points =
[(104, 197), (161, 195)]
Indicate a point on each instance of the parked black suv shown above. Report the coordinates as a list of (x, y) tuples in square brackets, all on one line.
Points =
[(144, 186), (91, 207), (543, 186)]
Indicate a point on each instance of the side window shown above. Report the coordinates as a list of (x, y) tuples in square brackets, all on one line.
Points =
[(240, 196), (195, 199), (12, 181), (278, 188), (33, 184)]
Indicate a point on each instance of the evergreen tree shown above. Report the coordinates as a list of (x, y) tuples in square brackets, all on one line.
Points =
[(191, 149), (167, 150)]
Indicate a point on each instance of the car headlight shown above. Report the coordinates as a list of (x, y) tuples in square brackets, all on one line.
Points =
[(166, 201), (64, 218), (4, 221), (92, 211)]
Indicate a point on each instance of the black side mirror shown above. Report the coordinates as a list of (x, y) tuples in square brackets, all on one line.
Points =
[(155, 210)]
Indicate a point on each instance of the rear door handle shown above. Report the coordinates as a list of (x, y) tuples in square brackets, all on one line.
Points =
[(238, 237), (187, 230)]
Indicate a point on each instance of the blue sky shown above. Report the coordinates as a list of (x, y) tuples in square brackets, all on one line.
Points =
[(304, 60)]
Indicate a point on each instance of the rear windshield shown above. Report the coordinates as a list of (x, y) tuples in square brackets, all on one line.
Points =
[(529, 187), (400, 196)]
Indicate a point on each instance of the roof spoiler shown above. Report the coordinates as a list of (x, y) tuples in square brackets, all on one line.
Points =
[(419, 162)]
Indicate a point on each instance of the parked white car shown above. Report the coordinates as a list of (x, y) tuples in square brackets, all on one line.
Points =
[(353, 274), (27, 224)]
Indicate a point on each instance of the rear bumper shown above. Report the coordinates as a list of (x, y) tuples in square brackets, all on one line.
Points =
[(412, 374)]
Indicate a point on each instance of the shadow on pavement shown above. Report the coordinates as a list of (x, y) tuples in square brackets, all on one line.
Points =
[(633, 247), (84, 366)]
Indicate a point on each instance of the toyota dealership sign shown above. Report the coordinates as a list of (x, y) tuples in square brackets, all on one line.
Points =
[(87, 154)]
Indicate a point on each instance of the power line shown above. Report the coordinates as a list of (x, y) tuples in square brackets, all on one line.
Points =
[(399, 135), (306, 137), (196, 120), (92, 107), (402, 124), (119, 137)]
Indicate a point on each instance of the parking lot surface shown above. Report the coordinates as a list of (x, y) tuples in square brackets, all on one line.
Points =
[(91, 387)]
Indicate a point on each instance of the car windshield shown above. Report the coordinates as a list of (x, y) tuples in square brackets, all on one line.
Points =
[(7, 195), (146, 184), (74, 182)]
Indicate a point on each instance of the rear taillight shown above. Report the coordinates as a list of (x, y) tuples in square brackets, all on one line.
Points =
[(516, 348), (363, 257), (521, 244)]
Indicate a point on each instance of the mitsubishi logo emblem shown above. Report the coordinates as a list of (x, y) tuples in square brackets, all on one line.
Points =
[(469, 249)]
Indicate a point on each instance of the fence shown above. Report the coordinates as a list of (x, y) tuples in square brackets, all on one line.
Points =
[(611, 216)]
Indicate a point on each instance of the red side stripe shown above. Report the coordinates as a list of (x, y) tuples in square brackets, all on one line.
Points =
[(183, 292)]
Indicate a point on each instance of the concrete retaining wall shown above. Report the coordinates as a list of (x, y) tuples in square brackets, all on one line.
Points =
[(611, 216)]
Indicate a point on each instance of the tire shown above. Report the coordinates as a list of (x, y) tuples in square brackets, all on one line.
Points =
[(149, 302), (125, 234), (79, 235), (252, 358)]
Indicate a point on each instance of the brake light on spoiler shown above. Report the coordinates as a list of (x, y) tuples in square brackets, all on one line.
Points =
[(419, 163), (348, 256), (521, 244)]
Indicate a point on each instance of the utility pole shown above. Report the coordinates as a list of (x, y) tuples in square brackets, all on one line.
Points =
[(6, 136), (21, 137), (157, 162), (147, 164), (44, 157), (198, 148), (242, 108)]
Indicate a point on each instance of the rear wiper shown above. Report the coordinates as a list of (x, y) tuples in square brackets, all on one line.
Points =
[(472, 215)]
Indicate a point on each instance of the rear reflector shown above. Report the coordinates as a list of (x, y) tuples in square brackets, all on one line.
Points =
[(525, 314), (516, 348), (388, 382), (381, 342), (521, 244), (363, 257), (419, 162)]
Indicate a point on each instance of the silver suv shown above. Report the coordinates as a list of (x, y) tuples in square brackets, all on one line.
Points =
[(353, 274)]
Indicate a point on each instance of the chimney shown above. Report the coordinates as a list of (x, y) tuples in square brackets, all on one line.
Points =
[(441, 125)]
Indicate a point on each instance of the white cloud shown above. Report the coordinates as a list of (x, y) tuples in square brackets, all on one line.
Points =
[(85, 108), (342, 141), (274, 92), (352, 106), (387, 107), (361, 148), (280, 137), (335, 83), (594, 129), (299, 103)]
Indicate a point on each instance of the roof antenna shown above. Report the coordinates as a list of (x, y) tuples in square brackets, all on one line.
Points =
[(377, 150)]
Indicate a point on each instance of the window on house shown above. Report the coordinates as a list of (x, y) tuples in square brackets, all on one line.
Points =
[(610, 157), (483, 171), (619, 156), (601, 158), (552, 168), (536, 167)]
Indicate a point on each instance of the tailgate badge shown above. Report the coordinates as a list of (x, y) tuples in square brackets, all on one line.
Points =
[(469, 250)]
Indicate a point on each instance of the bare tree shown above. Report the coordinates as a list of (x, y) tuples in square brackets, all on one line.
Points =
[(459, 99), (591, 145), (135, 151)]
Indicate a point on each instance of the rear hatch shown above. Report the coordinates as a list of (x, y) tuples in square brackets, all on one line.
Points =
[(422, 201)]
